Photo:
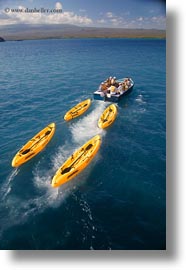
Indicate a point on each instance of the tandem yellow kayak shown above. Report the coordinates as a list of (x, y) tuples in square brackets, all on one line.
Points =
[(34, 146), (77, 110), (108, 116), (77, 162)]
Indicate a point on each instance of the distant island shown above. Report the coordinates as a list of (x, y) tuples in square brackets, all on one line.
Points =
[(27, 32), (2, 39)]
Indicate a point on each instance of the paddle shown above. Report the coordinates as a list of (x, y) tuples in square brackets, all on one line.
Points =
[(66, 170), (28, 150)]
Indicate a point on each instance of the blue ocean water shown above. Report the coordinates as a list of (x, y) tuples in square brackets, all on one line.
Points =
[(119, 200)]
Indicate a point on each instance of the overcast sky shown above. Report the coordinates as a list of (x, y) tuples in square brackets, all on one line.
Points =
[(101, 13)]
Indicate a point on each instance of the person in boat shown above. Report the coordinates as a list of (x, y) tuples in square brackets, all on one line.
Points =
[(106, 84), (112, 90), (127, 84), (120, 89), (125, 87), (108, 81), (104, 87), (113, 81), (101, 87)]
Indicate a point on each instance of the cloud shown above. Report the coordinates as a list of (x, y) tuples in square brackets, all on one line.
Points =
[(7, 22), (140, 19), (112, 20), (116, 21), (108, 19), (101, 21), (159, 20), (65, 17), (109, 15), (58, 5)]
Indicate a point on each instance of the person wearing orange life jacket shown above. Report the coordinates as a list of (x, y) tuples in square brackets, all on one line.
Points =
[(108, 81), (113, 81)]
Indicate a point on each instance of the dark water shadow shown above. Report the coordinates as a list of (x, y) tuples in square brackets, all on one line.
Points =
[(171, 253)]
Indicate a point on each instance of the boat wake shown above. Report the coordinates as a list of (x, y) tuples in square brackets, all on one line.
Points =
[(87, 222), (6, 188), (140, 99), (18, 208), (87, 126), (81, 131)]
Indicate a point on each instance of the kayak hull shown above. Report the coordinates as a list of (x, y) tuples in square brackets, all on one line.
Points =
[(77, 162), (34, 145), (108, 116), (77, 110)]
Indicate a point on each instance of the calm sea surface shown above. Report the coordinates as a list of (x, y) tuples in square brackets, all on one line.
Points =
[(119, 201)]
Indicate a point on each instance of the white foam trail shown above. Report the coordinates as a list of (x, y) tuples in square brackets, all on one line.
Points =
[(139, 99), (6, 188), (87, 126), (81, 131), (62, 154), (12, 175), (19, 210), (49, 195), (53, 197), (88, 223)]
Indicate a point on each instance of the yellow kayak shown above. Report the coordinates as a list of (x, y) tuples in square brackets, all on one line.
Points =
[(77, 162), (34, 146), (108, 116), (77, 110)]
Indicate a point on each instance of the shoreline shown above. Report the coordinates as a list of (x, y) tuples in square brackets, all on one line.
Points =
[(30, 32), (66, 38)]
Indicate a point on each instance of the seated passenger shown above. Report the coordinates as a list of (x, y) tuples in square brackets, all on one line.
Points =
[(120, 89), (128, 82), (116, 84), (100, 87), (126, 87), (113, 81), (104, 87), (112, 89), (108, 81)]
